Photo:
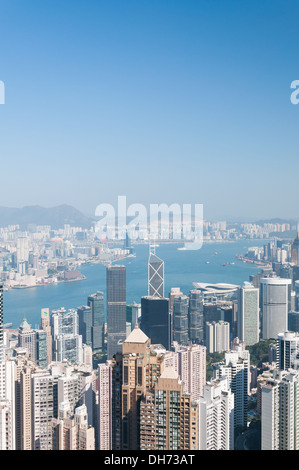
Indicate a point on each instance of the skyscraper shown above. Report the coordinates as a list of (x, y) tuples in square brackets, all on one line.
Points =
[(71, 430), (96, 302), (275, 300), (27, 339), (134, 372), (41, 348), (105, 397), (85, 324), (67, 343), (116, 309), (248, 314), (22, 254), (168, 416), (287, 351), (196, 317), (156, 320), (1, 326), (280, 418), (46, 326), (236, 367), (155, 275), (192, 369), (216, 416), (217, 336), (44, 391), (180, 319)]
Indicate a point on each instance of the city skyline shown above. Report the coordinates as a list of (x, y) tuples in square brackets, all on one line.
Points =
[(149, 228), (98, 97)]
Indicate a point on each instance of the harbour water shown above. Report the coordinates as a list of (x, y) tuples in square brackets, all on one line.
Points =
[(181, 268)]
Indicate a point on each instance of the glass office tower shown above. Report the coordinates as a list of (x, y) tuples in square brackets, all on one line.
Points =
[(116, 309)]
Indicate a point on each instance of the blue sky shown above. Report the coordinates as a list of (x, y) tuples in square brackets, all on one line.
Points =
[(184, 101)]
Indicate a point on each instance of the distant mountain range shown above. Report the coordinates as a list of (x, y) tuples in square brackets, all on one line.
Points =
[(57, 216)]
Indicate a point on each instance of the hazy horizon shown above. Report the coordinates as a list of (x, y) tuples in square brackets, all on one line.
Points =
[(164, 102), (229, 219)]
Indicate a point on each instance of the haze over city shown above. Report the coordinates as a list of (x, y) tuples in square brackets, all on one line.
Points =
[(149, 227)]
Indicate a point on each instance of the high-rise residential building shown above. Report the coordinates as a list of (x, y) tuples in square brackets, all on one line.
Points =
[(155, 275), (44, 409), (279, 411), (2, 355), (116, 309), (85, 324), (87, 355), (236, 366), (191, 367), (71, 430), (46, 326), (180, 319), (168, 416), (248, 314), (6, 426), (217, 336), (96, 302), (8, 406), (275, 300), (287, 351), (134, 372), (104, 406), (196, 317), (24, 368), (68, 389), (156, 320), (216, 416)]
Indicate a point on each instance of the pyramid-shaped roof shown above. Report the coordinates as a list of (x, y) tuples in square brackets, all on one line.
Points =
[(136, 336), (169, 373)]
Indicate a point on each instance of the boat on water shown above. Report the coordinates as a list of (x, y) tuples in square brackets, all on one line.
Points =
[(208, 262)]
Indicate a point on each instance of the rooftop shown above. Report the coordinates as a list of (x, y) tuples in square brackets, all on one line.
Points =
[(136, 336), (169, 373)]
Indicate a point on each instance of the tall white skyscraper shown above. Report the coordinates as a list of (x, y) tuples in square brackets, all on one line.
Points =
[(155, 275), (236, 367), (275, 297), (217, 336), (248, 314), (67, 343), (104, 416), (280, 417), (192, 369), (287, 351), (216, 416)]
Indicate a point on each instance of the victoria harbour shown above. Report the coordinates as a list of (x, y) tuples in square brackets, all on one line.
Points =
[(213, 263)]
